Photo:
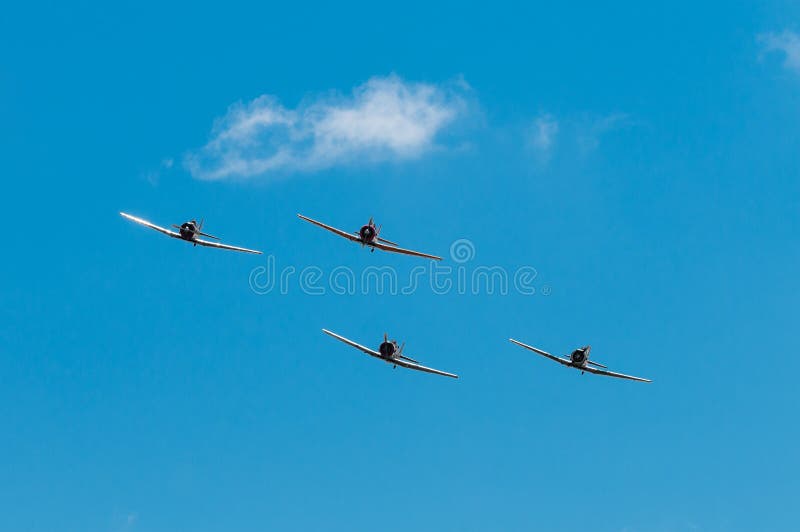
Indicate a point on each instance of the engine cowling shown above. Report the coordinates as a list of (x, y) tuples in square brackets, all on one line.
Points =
[(188, 229), (578, 357), (387, 349), (368, 233)]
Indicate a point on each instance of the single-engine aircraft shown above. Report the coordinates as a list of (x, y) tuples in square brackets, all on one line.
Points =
[(392, 353), (579, 359), (189, 231), (368, 236)]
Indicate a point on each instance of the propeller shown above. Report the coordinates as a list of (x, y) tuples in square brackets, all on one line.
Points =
[(197, 230), (378, 232), (385, 337)]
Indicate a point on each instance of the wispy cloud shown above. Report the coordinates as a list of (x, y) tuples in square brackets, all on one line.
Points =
[(548, 135), (154, 175), (125, 522), (385, 119), (542, 136), (786, 43), (591, 130)]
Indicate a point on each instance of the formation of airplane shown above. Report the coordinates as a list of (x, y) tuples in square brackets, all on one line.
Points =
[(189, 231), (369, 235), (389, 351), (579, 359)]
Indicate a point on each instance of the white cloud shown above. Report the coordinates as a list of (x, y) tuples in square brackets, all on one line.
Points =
[(591, 130), (153, 176), (385, 119), (787, 43), (542, 135), (548, 135)]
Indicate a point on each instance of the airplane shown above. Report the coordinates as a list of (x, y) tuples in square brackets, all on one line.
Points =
[(392, 353), (188, 231), (368, 236), (579, 359)]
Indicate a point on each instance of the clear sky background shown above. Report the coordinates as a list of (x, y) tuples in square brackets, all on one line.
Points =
[(642, 158)]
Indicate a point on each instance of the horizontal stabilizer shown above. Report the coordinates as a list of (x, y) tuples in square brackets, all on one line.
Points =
[(388, 242)]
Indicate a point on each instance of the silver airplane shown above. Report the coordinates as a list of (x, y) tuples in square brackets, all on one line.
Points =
[(189, 231), (392, 353), (368, 236), (579, 359)]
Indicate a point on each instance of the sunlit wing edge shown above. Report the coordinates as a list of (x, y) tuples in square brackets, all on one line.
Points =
[(420, 367), (332, 229), (145, 223), (351, 343), (395, 249), (613, 374), (224, 246), (543, 353)]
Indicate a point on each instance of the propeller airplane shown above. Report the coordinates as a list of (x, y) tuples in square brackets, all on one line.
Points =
[(368, 236), (189, 232)]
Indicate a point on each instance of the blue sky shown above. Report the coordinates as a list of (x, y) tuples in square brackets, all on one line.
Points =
[(642, 158)]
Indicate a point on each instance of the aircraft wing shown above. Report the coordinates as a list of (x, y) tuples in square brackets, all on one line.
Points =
[(420, 367), (348, 236), (395, 249), (360, 347), (560, 360), (145, 223), (612, 374), (219, 245)]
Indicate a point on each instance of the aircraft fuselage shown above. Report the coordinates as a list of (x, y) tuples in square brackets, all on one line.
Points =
[(368, 233), (388, 349), (188, 230), (580, 357)]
